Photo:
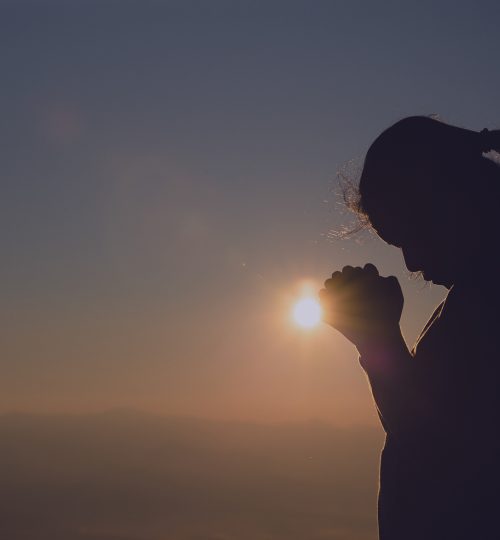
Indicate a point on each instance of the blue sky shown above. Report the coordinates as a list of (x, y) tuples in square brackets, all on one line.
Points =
[(165, 172)]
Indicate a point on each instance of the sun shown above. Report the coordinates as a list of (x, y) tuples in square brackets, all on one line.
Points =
[(307, 312)]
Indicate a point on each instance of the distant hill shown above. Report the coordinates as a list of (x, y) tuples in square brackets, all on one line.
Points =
[(133, 476)]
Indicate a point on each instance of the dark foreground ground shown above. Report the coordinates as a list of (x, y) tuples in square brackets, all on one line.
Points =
[(132, 476)]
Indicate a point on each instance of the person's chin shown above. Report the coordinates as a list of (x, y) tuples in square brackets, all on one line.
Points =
[(436, 279)]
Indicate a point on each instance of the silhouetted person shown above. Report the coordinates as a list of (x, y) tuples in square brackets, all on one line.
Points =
[(427, 188)]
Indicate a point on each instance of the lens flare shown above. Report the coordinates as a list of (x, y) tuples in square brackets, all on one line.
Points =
[(307, 312)]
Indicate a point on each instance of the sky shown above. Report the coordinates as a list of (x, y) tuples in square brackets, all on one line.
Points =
[(169, 188)]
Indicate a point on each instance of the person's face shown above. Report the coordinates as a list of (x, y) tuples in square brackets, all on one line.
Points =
[(433, 261), (428, 240), (421, 212)]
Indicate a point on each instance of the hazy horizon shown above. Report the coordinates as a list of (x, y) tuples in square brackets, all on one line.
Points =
[(128, 477)]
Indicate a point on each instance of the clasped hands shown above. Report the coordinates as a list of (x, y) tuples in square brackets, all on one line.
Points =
[(364, 306)]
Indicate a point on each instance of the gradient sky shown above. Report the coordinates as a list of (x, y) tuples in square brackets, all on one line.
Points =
[(168, 183)]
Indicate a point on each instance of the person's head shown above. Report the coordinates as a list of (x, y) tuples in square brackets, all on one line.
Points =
[(427, 188)]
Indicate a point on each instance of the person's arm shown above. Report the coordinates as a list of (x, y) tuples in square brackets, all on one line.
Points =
[(366, 309), (390, 370)]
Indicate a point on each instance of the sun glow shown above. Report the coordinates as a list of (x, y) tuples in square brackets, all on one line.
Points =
[(307, 312)]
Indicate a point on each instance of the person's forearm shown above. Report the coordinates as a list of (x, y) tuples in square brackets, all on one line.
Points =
[(389, 367)]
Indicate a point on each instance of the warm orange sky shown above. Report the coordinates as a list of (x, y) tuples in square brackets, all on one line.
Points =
[(165, 172)]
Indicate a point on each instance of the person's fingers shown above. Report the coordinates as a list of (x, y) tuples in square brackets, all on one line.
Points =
[(323, 293), (351, 282), (357, 272), (335, 281), (347, 271), (371, 269), (392, 286), (392, 281)]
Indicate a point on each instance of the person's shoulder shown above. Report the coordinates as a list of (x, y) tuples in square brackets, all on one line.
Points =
[(478, 298), (473, 310)]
